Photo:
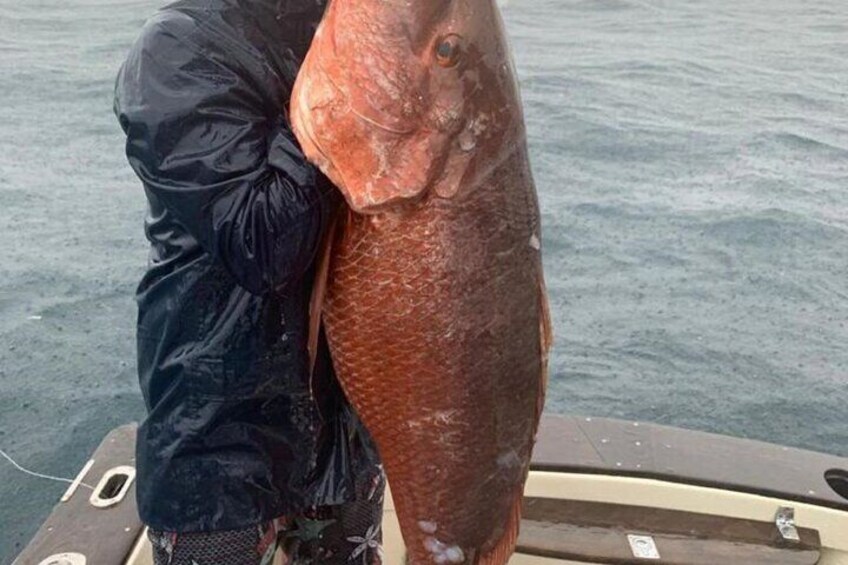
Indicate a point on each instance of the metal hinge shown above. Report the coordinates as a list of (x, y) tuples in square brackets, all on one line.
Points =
[(785, 522)]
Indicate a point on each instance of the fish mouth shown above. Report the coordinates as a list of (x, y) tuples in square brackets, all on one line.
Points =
[(302, 123), (313, 141)]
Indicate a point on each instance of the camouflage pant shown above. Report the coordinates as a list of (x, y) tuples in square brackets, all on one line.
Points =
[(331, 535)]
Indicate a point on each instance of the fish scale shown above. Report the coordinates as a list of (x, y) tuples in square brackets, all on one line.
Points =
[(431, 287), (416, 338)]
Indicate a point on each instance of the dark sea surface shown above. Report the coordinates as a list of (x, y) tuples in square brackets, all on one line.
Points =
[(692, 163)]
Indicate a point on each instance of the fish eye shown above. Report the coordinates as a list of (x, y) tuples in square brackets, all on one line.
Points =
[(448, 50)]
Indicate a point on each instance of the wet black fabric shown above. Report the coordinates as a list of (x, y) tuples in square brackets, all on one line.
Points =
[(236, 434)]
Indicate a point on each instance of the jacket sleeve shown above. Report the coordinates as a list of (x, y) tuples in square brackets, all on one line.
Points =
[(207, 141)]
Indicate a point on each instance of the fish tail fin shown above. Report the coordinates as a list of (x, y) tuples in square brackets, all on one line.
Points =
[(503, 550), (319, 292)]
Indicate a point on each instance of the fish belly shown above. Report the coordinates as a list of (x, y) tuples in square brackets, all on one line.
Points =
[(433, 318)]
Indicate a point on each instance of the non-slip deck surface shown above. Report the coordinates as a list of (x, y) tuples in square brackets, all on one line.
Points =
[(614, 447), (105, 536)]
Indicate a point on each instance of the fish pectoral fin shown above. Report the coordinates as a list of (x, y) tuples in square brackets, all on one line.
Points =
[(547, 332), (319, 291)]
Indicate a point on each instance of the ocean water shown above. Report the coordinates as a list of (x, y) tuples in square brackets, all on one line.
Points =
[(692, 164)]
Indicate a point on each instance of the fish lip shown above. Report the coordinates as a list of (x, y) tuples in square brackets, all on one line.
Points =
[(325, 164), (304, 125), (310, 135)]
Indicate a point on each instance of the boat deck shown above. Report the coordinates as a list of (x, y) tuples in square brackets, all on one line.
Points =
[(600, 491)]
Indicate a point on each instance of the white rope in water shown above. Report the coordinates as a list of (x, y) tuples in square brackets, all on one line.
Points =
[(40, 475)]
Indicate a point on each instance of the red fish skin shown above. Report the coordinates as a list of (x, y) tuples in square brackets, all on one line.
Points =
[(434, 298), (434, 319)]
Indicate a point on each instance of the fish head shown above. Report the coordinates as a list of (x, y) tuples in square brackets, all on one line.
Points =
[(401, 99)]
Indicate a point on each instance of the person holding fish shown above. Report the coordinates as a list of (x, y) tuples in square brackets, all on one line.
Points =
[(428, 297), (249, 442)]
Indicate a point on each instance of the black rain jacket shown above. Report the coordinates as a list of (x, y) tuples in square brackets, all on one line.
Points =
[(235, 434)]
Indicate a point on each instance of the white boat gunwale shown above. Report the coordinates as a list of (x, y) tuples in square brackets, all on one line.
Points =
[(590, 460)]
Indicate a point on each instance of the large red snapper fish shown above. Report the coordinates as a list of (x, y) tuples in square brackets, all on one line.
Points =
[(434, 300)]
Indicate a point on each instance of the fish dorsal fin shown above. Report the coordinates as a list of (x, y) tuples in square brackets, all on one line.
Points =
[(319, 290), (546, 335)]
